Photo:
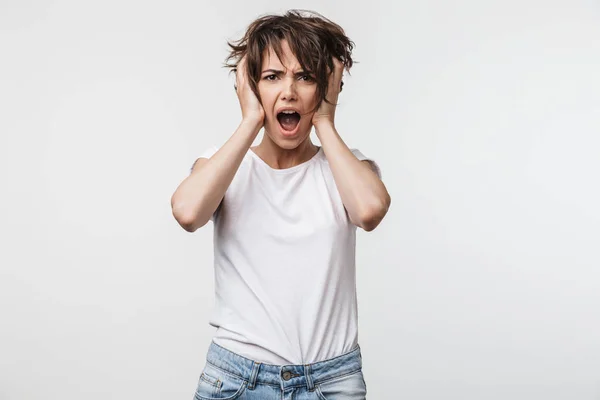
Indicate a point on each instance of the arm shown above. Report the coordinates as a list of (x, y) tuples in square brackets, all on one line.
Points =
[(199, 195), (364, 195)]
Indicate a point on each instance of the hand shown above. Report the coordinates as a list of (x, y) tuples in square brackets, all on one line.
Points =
[(326, 112), (252, 110)]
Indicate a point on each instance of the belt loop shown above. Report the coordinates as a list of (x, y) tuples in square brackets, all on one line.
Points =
[(308, 374), (253, 375)]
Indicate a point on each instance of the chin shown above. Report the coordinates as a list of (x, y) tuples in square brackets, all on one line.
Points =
[(287, 141)]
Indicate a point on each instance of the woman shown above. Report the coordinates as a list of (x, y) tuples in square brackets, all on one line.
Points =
[(285, 215)]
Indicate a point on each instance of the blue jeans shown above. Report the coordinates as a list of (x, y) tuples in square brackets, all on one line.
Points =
[(227, 375)]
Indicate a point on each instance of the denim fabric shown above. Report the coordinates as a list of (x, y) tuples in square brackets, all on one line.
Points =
[(227, 375)]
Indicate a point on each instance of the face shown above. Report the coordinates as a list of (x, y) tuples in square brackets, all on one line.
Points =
[(288, 94)]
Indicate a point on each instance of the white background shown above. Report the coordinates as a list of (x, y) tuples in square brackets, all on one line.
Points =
[(483, 281)]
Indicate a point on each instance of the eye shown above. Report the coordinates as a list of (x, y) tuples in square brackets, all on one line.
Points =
[(268, 77), (306, 77)]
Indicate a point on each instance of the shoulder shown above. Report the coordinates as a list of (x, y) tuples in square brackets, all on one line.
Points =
[(371, 165), (367, 160)]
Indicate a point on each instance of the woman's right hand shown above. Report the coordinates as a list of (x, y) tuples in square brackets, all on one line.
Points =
[(252, 110)]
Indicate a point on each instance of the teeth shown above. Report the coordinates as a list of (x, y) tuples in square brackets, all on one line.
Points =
[(289, 112)]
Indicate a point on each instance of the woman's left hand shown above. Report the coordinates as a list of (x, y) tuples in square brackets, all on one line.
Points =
[(326, 111)]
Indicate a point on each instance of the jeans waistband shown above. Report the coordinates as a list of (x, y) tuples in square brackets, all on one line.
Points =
[(284, 375)]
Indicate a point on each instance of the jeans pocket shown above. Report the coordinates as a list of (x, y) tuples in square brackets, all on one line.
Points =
[(347, 387), (216, 384)]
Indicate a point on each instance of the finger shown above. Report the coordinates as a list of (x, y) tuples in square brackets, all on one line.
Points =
[(236, 83), (338, 66), (241, 70), (336, 77), (238, 72)]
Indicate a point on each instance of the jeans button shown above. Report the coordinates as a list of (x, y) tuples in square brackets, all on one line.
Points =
[(287, 375)]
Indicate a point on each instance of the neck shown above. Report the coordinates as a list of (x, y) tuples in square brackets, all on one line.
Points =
[(280, 158)]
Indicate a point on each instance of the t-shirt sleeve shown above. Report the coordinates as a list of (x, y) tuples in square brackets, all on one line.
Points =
[(207, 153), (362, 157)]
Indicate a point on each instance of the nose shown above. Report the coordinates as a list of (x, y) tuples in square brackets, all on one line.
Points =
[(289, 89)]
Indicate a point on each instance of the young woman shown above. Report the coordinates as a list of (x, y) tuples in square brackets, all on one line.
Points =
[(285, 215)]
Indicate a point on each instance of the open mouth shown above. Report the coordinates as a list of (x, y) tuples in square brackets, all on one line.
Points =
[(288, 120)]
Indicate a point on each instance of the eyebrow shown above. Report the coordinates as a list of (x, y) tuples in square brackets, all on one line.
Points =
[(279, 72)]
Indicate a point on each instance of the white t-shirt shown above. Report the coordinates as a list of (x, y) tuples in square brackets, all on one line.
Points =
[(284, 259)]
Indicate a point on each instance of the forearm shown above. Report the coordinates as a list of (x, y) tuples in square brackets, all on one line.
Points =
[(199, 195), (364, 195)]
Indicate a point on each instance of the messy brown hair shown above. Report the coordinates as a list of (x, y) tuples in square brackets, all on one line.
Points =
[(313, 39)]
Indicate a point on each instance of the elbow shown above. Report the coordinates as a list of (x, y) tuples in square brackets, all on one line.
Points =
[(189, 223), (188, 226), (186, 218), (369, 223), (372, 216)]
